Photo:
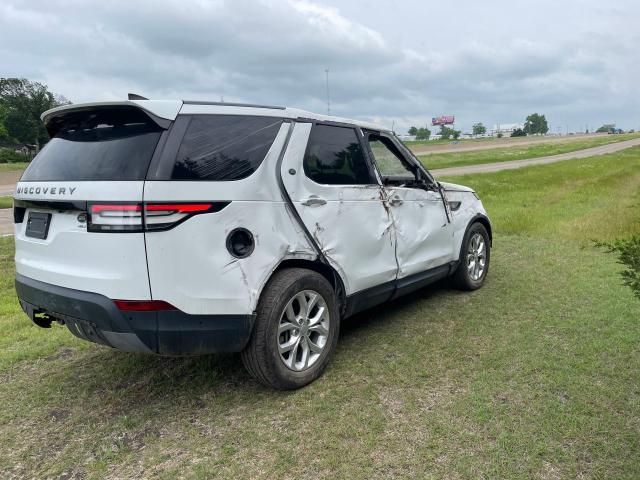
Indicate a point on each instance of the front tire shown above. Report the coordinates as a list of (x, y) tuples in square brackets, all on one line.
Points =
[(296, 330), (475, 255)]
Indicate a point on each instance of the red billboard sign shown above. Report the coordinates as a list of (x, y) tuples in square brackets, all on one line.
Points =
[(443, 120)]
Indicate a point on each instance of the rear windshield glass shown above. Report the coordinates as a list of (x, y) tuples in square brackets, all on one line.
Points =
[(105, 144), (224, 147)]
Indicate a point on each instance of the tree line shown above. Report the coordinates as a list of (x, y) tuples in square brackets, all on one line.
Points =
[(423, 133), (21, 103), (535, 124)]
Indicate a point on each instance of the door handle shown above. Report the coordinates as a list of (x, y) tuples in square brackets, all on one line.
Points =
[(395, 201), (314, 200)]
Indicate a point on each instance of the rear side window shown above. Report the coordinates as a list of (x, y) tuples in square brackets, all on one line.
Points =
[(114, 143), (334, 157), (224, 147)]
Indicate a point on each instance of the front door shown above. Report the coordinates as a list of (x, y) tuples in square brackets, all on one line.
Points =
[(422, 229)]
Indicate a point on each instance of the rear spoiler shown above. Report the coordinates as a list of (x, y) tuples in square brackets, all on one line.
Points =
[(161, 111)]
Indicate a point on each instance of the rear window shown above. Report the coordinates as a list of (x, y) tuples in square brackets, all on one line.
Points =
[(224, 147), (106, 144)]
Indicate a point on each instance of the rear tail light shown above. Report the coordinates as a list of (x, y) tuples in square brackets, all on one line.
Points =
[(140, 217), (115, 217), (160, 216), (143, 305)]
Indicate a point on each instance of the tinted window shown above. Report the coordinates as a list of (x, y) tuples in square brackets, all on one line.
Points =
[(107, 144), (334, 156), (224, 147)]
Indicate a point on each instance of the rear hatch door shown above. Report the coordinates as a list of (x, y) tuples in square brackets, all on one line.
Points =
[(78, 215)]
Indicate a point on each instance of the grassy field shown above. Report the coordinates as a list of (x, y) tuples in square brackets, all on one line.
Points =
[(6, 202), (533, 376), (459, 159)]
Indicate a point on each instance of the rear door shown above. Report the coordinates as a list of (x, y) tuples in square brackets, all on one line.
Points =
[(78, 219), (337, 195)]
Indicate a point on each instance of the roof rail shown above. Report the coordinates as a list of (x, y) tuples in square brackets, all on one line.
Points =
[(231, 104)]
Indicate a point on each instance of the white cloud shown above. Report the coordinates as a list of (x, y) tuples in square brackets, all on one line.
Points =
[(405, 64)]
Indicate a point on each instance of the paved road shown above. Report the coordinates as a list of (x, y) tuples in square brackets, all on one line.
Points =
[(6, 215), (8, 182), (496, 167), (6, 221)]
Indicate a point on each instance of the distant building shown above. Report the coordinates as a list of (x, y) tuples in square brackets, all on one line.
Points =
[(407, 138), (26, 149), (506, 129)]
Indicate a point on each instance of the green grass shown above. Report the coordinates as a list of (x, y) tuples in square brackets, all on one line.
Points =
[(442, 141), (533, 376), (580, 200), (13, 167), (6, 202), (459, 159)]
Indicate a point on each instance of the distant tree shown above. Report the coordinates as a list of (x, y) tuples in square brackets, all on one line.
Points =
[(423, 133), (24, 101), (518, 132), (499, 135), (413, 131), (536, 124), (4, 135), (479, 129), (447, 133), (606, 128)]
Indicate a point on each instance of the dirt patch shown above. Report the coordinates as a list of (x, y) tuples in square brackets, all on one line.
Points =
[(59, 414)]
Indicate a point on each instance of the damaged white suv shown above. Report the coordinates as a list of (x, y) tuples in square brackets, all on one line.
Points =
[(182, 228)]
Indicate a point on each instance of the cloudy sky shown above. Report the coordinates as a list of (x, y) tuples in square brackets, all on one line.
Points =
[(578, 62)]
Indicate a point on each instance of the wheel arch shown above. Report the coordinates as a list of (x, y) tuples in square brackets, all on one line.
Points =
[(324, 269), (486, 223)]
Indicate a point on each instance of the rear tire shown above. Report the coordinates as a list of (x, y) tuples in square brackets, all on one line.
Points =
[(296, 330), (475, 255)]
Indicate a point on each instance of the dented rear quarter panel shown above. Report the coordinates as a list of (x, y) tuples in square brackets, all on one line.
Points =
[(210, 278)]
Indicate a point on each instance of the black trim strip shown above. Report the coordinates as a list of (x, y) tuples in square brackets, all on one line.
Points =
[(59, 205), (365, 299)]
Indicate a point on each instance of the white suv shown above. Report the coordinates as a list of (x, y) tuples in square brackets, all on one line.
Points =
[(182, 228)]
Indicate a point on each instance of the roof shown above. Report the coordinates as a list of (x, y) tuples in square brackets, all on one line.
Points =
[(169, 109)]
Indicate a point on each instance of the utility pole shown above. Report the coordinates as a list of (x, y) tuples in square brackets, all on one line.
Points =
[(328, 98)]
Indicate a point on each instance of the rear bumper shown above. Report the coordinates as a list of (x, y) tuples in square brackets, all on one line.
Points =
[(96, 318)]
